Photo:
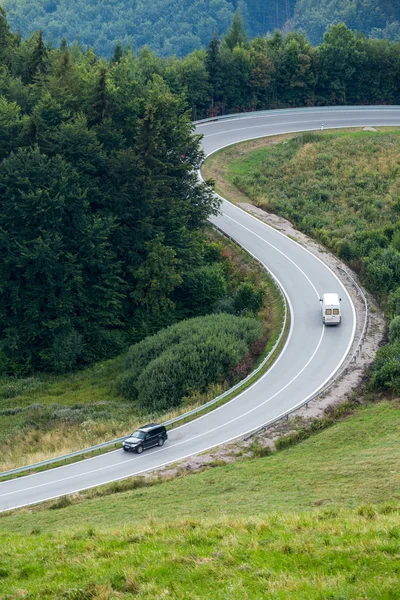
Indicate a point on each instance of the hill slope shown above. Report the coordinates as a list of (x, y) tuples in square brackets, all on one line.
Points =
[(374, 18), (181, 26), (218, 534)]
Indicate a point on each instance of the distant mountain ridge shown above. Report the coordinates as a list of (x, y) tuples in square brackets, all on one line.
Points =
[(181, 26)]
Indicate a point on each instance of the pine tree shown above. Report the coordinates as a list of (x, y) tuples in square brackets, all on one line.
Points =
[(118, 53), (214, 68), (38, 63), (6, 40), (101, 101), (63, 44), (236, 35)]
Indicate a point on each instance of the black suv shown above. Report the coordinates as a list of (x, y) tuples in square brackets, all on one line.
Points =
[(145, 437)]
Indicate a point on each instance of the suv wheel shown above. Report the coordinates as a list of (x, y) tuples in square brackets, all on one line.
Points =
[(161, 442), (139, 449)]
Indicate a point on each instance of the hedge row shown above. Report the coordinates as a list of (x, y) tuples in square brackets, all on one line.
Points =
[(185, 358)]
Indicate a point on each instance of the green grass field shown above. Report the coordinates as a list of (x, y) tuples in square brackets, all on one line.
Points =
[(319, 520), (332, 185)]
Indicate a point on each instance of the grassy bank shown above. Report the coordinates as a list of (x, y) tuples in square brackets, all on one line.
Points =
[(47, 415), (269, 170), (318, 520), (340, 187)]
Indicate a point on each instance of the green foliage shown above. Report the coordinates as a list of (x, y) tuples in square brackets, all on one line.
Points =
[(386, 370), (169, 28), (101, 215), (382, 270), (334, 188), (203, 288), (374, 18), (393, 303), (394, 329), (185, 358), (248, 298)]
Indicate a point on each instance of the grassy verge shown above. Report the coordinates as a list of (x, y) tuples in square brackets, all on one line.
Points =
[(318, 520), (46, 416)]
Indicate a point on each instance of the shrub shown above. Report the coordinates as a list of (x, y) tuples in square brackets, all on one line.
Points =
[(396, 240), (65, 351), (394, 329), (367, 241), (62, 502), (247, 298), (386, 370), (382, 270), (203, 288), (225, 305), (393, 303), (186, 358)]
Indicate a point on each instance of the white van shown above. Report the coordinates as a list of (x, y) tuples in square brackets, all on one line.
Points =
[(330, 308)]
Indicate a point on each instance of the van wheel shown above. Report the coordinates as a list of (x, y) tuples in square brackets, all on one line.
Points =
[(161, 442), (139, 449)]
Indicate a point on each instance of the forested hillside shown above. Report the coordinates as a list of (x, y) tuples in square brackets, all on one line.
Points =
[(181, 26), (167, 26), (374, 18)]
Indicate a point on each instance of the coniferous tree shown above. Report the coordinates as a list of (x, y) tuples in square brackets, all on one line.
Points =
[(99, 108), (38, 60), (117, 54), (236, 35), (214, 68)]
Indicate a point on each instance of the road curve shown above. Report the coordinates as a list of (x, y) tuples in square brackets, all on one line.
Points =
[(312, 353)]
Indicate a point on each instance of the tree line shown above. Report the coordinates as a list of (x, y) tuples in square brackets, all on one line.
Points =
[(234, 74)]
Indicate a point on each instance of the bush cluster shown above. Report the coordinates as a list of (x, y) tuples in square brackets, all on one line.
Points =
[(185, 358), (386, 369)]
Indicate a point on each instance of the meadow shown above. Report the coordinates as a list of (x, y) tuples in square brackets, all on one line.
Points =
[(318, 520)]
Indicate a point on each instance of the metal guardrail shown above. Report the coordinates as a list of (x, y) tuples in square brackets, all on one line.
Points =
[(194, 411), (272, 111), (340, 371)]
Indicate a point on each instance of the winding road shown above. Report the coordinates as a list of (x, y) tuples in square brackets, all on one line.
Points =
[(310, 357)]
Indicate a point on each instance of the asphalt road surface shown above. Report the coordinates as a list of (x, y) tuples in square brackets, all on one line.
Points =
[(310, 357)]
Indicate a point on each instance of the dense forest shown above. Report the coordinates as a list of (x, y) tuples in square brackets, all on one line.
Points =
[(101, 213), (373, 18), (181, 26)]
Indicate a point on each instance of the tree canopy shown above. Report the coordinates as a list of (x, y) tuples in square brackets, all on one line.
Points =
[(182, 26)]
